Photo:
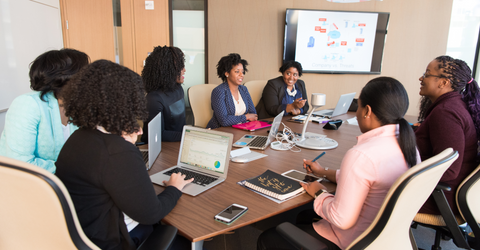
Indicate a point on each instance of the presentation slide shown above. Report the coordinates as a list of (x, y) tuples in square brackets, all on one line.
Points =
[(335, 41)]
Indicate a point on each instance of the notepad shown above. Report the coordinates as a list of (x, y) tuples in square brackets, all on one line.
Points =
[(274, 185), (252, 126)]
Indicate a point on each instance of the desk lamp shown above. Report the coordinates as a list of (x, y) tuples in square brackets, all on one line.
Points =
[(313, 140)]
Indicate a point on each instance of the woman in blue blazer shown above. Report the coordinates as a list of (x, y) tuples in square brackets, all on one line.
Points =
[(231, 102), (35, 124)]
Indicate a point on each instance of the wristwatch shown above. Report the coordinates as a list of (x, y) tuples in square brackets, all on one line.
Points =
[(319, 192)]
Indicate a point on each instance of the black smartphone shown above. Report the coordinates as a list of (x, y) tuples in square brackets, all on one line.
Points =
[(231, 213)]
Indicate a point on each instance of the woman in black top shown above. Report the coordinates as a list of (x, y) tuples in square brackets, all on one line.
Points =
[(163, 78), (102, 169), (284, 93)]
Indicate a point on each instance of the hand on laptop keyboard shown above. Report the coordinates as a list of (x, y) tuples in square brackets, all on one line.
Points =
[(177, 180)]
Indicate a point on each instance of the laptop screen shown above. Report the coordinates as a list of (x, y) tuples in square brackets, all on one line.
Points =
[(205, 150)]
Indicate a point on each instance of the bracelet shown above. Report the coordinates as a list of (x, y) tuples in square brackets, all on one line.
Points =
[(324, 175)]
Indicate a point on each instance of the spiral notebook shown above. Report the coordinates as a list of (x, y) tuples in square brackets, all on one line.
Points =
[(274, 185)]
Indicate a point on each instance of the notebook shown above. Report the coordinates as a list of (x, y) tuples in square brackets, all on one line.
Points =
[(342, 106), (204, 155), (260, 141), (274, 185), (252, 126), (154, 141)]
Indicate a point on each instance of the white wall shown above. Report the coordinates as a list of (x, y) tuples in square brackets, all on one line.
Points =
[(27, 29)]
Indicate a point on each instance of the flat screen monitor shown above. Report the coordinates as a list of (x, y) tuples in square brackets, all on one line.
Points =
[(343, 42)]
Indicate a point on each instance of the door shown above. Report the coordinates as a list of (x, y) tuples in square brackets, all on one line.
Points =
[(88, 26)]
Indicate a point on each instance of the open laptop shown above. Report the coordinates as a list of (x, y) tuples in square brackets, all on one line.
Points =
[(204, 155), (342, 106), (154, 141), (260, 141)]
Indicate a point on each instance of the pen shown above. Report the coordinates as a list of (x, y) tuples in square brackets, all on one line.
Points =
[(320, 155), (316, 158)]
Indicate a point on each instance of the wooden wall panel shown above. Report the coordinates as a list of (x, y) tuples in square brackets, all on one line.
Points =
[(90, 27), (151, 29), (417, 33), (128, 34)]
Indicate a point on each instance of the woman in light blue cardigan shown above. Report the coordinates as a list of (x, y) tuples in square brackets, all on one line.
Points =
[(35, 126)]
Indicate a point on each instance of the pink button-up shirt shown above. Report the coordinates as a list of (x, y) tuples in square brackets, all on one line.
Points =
[(367, 172)]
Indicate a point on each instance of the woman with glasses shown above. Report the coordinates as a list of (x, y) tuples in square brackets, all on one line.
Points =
[(449, 117)]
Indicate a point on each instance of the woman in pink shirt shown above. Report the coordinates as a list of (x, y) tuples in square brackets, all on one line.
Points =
[(384, 151)]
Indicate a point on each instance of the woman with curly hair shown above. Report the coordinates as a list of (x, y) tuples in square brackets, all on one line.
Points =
[(450, 118), (36, 126), (101, 167), (284, 93), (163, 78), (231, 102)]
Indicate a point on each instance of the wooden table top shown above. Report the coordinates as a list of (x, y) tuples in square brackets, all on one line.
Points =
[(194, 216)]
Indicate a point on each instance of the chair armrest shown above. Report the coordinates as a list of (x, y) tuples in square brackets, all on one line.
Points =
[(299, 238), (161, 238), (443, 186)]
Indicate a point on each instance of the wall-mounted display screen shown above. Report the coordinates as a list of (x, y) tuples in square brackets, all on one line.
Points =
[(326, 41)]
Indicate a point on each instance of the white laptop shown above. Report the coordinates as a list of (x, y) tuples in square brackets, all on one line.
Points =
[(260, 141), (204, 154), (342, 107), (154, 141)]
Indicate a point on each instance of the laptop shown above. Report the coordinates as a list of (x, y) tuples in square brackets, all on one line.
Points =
[(260, 141), (342, 106), (154, 141), (204, 155)]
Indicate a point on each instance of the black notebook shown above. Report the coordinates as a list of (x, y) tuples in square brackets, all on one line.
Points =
[(274, 185)]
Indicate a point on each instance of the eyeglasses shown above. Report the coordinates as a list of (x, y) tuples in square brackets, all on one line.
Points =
[(425, 75)]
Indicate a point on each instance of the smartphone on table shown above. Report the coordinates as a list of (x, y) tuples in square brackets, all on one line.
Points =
[(301, 176), (231, 213)]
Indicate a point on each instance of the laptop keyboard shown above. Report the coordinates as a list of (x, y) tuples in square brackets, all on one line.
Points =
[(258, 141), (145, 156), (199, 179)]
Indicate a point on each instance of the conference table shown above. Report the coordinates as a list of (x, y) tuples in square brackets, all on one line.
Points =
[(194, 216)]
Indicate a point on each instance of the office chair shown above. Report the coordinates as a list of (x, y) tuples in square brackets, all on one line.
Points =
[(199, 97), (391, 227), (469, 204), (38, 213), (255, 88), (450, 226)]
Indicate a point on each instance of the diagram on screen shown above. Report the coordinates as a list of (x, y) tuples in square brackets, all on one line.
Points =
[(335, 41)]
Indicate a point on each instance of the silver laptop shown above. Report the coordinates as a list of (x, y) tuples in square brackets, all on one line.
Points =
[(260, 141), (154, 141), (342, 107), (204, 155)]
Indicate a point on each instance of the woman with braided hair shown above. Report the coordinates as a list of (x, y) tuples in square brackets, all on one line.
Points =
[(163, 78), (450, 117)]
